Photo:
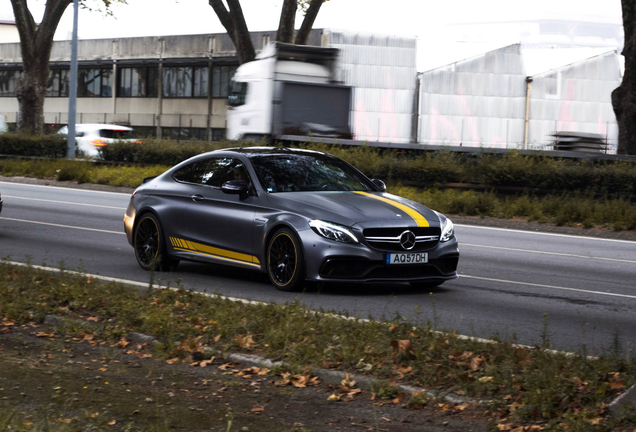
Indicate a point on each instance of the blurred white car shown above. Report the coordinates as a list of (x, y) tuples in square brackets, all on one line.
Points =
[(90, 137)]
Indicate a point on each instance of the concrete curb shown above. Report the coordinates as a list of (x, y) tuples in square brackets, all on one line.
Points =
[(626, 399)]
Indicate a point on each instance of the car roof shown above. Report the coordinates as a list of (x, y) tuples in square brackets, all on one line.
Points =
[(102, 126), (270, 151)]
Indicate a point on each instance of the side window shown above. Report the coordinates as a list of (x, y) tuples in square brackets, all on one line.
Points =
[(238, 95), (212, 172), (224, 169), (192, 173)]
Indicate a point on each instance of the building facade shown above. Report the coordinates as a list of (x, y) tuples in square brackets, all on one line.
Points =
[(490, 101), (177, 86)]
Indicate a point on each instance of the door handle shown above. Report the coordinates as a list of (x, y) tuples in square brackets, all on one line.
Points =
[(197, 197)]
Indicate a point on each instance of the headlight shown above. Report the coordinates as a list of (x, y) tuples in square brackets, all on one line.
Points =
[(333, 231), (448, 230)]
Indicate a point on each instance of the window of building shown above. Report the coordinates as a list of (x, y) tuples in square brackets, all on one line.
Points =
[(8, 82), (184, 133), (201, 75), (138, 82), (221, 79), (177, 82), (218, 134), (185, 81), (94, 83), (58, 83)]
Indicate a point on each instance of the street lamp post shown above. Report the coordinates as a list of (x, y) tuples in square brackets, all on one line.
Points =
[(72, 93)]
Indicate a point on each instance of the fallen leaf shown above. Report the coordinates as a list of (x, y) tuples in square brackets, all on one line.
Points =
[(334, 397), (93, 319), (615, 385), (112, 422), (401, 348), (257, 409), (476, 361), (172, 360), (485, 379)]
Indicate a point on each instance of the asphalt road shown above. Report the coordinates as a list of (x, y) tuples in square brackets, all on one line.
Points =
[(511, 282)]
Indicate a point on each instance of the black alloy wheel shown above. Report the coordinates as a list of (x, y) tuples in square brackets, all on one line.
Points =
[(285, 261), (150, 249)]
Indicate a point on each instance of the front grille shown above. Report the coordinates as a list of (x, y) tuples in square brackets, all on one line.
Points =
[(360, 268), (388, 239)]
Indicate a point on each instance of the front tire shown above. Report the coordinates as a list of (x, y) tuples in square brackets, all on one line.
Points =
[(150, 247), (285, 261)]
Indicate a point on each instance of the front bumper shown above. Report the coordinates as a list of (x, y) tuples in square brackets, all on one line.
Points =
[(330, 261)]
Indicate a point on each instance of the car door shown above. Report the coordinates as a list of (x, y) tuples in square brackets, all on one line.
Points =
[(221, 224)]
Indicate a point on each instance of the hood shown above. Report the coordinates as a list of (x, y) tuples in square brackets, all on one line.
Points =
[(356, 208)]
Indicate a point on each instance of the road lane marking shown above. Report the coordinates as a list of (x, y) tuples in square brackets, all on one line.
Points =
[(547, 253), (547, 286), (63, 226), (544, 233), (64, 202), (65, 188)]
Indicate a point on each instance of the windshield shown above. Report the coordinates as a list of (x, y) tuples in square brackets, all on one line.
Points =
[(115, 133), (292, 173)]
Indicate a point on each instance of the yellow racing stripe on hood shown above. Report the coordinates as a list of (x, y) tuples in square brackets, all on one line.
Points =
[(417, 217)]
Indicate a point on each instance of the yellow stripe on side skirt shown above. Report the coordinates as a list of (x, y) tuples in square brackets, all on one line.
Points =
[(190, 246), (417, 217)]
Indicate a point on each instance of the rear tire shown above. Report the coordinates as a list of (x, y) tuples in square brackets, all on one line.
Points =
[(285, 261), (150, 246)]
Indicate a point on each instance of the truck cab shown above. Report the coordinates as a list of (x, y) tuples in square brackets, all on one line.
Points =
[(288, 90)]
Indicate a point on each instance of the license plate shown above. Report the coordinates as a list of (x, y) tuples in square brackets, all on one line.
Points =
[(407, 258)]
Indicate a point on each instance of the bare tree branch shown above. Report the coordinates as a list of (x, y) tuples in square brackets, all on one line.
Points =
[(224, 17), (308, 22), (287, 20), (242, 39)]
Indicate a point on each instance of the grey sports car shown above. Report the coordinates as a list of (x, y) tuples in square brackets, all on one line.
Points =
[(296, 215)]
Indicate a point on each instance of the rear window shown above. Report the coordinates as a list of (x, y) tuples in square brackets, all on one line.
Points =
[(115, 133)]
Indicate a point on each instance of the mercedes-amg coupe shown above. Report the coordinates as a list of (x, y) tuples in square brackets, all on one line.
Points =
[(296, 215)]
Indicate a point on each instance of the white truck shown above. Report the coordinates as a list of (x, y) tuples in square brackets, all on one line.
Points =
[(289, 90)]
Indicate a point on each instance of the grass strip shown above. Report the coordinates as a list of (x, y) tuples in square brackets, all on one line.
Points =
[(573, 209), (520, 386)]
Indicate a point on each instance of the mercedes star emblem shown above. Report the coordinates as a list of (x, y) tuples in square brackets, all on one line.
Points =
[(407, 240)]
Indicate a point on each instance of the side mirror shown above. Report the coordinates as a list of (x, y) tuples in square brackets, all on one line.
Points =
[(379, 184), (235, 187)]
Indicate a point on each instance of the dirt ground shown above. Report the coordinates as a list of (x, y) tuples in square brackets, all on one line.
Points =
[(91, 387)]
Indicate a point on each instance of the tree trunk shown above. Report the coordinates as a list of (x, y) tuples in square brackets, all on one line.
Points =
[(624, 97), (31, 92), (285, 31), (308, 22), (36, 42)]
